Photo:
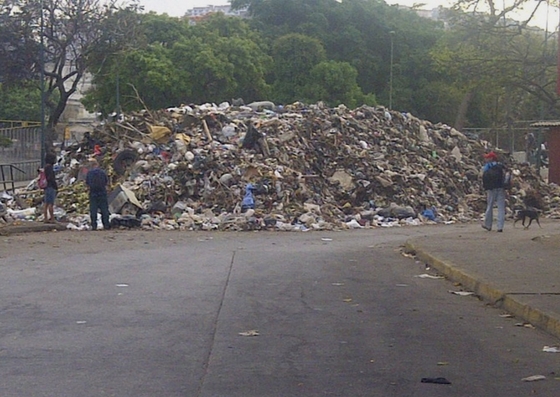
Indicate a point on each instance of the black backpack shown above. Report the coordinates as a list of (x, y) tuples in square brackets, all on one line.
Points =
[(493, 177)]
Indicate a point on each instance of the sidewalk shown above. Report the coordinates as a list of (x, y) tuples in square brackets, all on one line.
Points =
[(517, 270)]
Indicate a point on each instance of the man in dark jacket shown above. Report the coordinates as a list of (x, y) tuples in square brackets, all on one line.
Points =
[(51, 190), (97, 181), (493, 183)]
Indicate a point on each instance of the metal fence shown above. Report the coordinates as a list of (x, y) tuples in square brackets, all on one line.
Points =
[(24, 152), (508, 139)]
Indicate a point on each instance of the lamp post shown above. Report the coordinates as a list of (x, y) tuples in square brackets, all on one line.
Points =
[(392, 35), (42, 74)]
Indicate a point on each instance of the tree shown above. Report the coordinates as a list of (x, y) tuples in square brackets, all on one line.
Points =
[(335, 83), (295, 55), (493, 58), (216, 60), (71, 30)]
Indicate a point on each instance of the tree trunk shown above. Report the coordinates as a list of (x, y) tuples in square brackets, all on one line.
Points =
[(461, 118)]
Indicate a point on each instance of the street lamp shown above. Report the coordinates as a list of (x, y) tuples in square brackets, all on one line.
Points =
[(42, 74), (392, 35)]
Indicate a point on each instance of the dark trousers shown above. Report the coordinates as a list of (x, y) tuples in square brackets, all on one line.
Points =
[(99, 203)]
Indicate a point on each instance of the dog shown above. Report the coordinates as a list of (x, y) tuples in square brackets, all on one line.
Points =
[(527, 213)]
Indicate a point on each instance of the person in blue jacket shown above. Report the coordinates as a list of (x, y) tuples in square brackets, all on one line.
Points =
[(493, 183)]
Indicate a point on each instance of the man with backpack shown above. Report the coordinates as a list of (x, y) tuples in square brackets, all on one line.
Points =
[(97, 181), (493, 176)]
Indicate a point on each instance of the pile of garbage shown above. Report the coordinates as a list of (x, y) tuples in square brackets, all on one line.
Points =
[(298, 167)]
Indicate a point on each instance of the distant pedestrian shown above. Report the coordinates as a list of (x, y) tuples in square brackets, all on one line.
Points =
[(493, 174), (51, 190), (97, 182)]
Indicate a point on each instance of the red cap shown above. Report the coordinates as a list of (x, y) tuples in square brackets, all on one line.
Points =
[(491, 156)]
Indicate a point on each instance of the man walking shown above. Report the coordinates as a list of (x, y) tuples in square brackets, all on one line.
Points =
[(97, 181), (493, 182)]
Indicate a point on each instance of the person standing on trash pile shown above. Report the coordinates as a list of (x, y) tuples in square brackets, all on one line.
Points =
[(493, 174), (97, 181), (51, 190)]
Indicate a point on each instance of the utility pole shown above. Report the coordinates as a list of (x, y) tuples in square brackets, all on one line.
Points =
[(392, 34), (42, 74)]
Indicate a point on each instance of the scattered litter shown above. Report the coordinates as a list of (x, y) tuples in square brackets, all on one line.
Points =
[(407, 255), (402, 285), (326, 239), (525, 325), (81, 322), (551, 349), (121, 285), (429, 276), (252, 332), (506, 315), (439, 381), (534, 378), (347, 300), (461, 293), (337, 284), (441, 363)]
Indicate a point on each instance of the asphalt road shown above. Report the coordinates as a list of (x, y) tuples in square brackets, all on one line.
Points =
[(166, 314)]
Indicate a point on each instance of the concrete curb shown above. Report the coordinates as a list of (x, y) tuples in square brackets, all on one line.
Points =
[(487, 291), (35, 227)]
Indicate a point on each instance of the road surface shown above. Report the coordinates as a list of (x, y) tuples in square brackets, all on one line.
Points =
[(169, 314)]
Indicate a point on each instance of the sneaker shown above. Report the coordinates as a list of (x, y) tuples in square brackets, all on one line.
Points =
[(486, 228), (500, 230)]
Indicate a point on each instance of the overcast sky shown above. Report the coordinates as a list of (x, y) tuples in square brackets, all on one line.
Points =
[(178, 8)]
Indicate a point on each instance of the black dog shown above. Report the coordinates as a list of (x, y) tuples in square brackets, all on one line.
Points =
[(525, 213)]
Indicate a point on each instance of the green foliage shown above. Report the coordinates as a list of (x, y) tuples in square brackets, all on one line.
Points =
[(5, 141), (323, 50), (335, 83), (20, 102), (210, 62), (295, 55)]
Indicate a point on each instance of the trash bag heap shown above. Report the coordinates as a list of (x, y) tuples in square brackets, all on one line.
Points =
[(309, 167)]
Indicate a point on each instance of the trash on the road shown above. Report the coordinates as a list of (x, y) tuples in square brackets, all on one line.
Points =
[(347, 300), (407, 255), (506, 315), (525, 325), (439, 381), (534, 378), (337, 284), (326, 239), (551, 349), (425, 275), (252, 332), (81, 322), (121, 285), (461, 293), (441, 363), (402, 285)]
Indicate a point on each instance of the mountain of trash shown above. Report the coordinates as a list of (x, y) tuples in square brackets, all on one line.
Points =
[(299, 167)]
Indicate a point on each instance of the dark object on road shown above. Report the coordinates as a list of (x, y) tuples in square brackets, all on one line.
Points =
[(439, 381), (531, 213)]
